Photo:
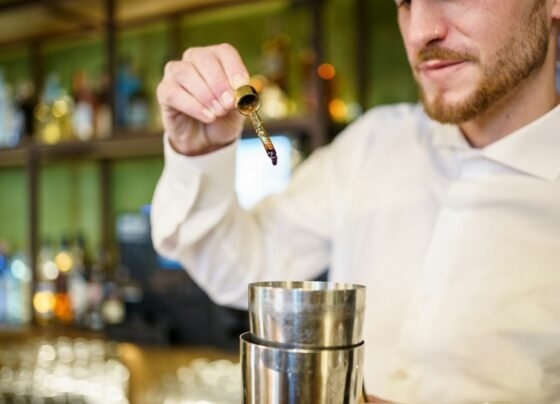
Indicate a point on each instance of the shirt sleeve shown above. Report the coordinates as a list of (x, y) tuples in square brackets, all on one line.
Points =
[(197, 221)]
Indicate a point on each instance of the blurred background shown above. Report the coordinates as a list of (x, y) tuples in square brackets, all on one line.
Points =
[(88, 311)]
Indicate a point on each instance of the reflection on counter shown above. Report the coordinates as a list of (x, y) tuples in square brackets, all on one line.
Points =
[(203, 381), (39, 367), (63, 370)]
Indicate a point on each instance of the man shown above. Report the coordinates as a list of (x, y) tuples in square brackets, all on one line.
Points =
[(449, 215)]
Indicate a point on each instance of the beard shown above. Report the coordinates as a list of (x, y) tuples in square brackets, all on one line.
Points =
[(515, 62)]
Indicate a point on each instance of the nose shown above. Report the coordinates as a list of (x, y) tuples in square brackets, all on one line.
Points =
[(426, 23)]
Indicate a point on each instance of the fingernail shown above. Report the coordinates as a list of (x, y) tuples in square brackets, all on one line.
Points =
[(227, 99), (240, 80), (217, 108), (208, 114)]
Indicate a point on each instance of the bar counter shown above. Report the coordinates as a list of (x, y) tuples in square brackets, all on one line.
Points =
[(152, 368)]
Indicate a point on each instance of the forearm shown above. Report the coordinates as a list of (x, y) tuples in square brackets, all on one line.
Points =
[(196, 220)]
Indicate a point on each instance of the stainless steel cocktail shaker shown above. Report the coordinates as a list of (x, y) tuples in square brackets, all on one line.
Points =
[(305, 343)]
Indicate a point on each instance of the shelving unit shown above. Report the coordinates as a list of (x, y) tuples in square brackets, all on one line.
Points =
[(122, 146), (54, 19)]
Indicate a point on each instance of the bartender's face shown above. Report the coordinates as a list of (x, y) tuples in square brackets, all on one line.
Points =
[(467, 55)]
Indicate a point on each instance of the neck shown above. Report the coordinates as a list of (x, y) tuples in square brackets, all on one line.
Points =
[(535, 97)]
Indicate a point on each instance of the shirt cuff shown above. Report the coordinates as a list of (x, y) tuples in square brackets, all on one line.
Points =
[(216, 171)]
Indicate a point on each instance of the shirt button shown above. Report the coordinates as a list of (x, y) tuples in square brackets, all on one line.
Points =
[(400, 374)]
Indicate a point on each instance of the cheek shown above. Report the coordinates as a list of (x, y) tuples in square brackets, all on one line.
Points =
[(487, 26), (410, 54), (402, 24)]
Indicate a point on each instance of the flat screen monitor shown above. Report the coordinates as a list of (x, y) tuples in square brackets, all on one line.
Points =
[(255, 175)]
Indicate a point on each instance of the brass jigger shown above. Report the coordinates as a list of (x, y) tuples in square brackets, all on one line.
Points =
[(248, 102)]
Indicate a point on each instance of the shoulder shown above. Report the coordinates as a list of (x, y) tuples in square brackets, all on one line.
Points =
[(402, 118), (392, 124), (379, 136)]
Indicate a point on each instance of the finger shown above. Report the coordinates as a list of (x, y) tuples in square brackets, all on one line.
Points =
[(211, 70), (232, 64), (190, 78), (171, 95)]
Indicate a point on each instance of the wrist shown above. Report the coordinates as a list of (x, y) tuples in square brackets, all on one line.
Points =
[(192, 149)]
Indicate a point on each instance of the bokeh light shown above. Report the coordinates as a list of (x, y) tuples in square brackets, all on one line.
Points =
[(60, 108), (20, 270), (326, 71), (50, 270), (43, 302), (338, 110), (64, 261)]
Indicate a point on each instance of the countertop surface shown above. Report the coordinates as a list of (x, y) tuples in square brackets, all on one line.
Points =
[(150, 366)]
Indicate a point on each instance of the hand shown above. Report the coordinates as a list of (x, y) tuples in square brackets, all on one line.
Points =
[(196, 98)]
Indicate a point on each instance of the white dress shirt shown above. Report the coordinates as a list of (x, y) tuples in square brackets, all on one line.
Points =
[(459, 249)]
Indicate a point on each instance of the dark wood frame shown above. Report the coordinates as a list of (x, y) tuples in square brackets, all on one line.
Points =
[(126, 145)]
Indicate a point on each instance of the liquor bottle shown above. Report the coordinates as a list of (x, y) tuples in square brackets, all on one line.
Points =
[(25, 99), (19, 290), (139, 111), (307, 59), (275, 60), (275, 63), (62, 311), (44, 296), (4, 268), (96, 294), (103, 112), (113, 309), (4, 112), (11, 119), (54, 113), (64, 261), (83, 117), (77, 284), (128, 85), (63, 258)]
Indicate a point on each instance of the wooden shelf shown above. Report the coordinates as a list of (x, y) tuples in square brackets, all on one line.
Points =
[(119, 147), (127, 145), (116, 148), (31, 24), (13, 157), (59, 18)]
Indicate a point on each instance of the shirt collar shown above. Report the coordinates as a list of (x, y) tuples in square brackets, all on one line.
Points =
[(533, 149), (449, 136)]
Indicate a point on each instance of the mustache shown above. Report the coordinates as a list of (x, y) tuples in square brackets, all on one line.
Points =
[(446, 54)]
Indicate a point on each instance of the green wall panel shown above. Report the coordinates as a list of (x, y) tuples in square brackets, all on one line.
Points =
[(13, 208), (147, 50), (391, 79), (66, 57), (248, 27), (340, 47), (15, 65), (70, 192), (69, 196), (133, 182)]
